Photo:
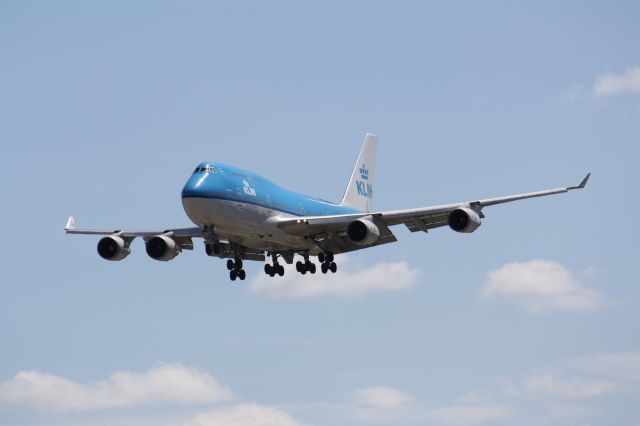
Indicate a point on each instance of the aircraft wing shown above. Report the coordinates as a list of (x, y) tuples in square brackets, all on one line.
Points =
[(421, 219), (181, 235)]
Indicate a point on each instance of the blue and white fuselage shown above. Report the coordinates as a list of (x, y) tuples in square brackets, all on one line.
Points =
[(240, 205)]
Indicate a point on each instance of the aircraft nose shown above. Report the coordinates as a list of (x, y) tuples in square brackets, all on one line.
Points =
[(194, 185)]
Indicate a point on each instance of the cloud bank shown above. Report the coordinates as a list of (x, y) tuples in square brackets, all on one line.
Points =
[(569, 393), (550, 385), (382, 397), (541, 285), (244, 415), (166, 384), (348, 282), (611, 84), (387, 405)]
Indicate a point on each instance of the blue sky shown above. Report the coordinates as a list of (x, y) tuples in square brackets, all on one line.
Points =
[(106, 108)]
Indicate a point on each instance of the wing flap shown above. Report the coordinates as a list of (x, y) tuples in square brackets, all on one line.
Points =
[(330, 232), (340, 243), (310, 225), (424, 224)]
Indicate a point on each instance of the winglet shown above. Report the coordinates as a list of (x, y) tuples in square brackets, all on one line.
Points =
[(71, 223), (582, 183)]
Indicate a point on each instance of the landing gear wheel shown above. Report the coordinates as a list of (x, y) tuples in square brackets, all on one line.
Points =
[(299, 267), (242, 274), (321, 257), (233, 274), (237, 264), (272, 270), (311, 267), (329, 257), (333, 267), (324, 268), (229, 264)]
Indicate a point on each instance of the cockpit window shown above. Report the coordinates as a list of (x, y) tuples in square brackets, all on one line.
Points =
[(207, 169)]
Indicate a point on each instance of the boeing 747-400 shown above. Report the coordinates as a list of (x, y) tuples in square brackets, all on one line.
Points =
[(243, 216)]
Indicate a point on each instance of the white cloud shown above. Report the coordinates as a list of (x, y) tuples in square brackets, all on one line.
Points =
[(571, 393), (547, 384), (610, 84), (165, 383), (541, 285), (382, 404), (244, 415), (347, 282), (382, 397)]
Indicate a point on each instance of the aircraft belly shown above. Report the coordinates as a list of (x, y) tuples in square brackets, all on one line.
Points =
[(243, 223)]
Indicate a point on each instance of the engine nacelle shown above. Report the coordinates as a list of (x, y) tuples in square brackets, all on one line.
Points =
[(162, 247), (113, 247), (464, 220), (363, 232)]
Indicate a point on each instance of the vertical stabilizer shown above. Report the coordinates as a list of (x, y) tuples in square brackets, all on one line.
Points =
[(359, 192)]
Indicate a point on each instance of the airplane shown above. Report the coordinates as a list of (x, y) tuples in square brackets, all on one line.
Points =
[(243, 216)]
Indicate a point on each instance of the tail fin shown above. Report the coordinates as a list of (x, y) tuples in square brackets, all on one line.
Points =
[(359, 192)]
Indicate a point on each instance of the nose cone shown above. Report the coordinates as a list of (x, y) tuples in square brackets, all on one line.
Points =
[(195, 186), (192, 187)]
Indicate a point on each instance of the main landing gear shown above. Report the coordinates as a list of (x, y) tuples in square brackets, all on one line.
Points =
[(235, 269), (274, 269), (306, 266), (327, 263)]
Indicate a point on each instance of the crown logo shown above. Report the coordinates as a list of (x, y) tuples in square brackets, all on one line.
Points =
[(364, 172)]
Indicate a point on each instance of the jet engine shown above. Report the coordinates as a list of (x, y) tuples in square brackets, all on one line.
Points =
[(464, 220), (113, 247), (363, 232), (162, 247)]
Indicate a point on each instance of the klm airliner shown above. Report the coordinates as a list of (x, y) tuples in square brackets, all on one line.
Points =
[(243, 216)]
